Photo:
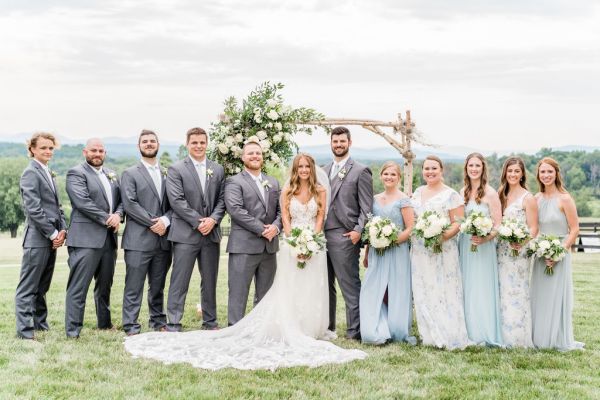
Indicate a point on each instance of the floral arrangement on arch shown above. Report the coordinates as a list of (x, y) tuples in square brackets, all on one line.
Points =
[(262, 118)]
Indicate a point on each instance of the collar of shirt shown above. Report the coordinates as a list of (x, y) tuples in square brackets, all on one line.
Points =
[(44, 166), (341, 163), (149, 166), (198, 163)]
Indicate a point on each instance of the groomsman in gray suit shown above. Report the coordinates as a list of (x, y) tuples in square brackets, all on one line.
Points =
[(351, 201), (97, 213), (147, 250), (195, 190), (252, 201), (45, 231)]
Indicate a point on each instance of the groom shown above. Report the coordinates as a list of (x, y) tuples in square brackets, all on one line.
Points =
[(351, 201), (252, 201)]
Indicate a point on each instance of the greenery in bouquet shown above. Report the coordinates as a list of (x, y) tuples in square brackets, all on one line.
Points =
[(430, 226), (380, 233), (513, 231), (262, 118), (476, 224), (548, 247), (304, 243)]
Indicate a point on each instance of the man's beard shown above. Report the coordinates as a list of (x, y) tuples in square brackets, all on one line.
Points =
[(148, 153), (94, 161), (344, 152), (248, 165)]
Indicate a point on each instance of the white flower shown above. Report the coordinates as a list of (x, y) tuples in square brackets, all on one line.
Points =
[(278, 126), (556, 242), (271, 102), (373, 231), (420, 224), (223, 148), (387, 230), (238, 170), (544, 244), (431, 232), (312, 246), (229, 141), (273, 115), (504, 230), (277, 138), (519, 233), (265, 144), (237, 151), (269, 125), (380, 243), (253, 138), (275, 158), (209, 172), (261, 135), (239, 138), (257, 118)]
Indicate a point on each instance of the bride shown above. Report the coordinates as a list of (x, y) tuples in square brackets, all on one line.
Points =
[(289, 326)]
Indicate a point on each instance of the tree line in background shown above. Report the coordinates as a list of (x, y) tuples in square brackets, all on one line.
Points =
[(580, 170)]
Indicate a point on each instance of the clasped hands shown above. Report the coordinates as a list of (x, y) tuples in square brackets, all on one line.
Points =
[(113, 221), (206, 225), (59, 240), (269, 232)]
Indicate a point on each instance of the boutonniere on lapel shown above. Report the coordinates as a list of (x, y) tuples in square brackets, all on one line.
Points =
[(163, 172), (342, 173), (111, 176), (209, 172), (53, 174), (266, 184)]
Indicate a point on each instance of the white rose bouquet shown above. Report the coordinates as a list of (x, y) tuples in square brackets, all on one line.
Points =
[(513, 231), (477, 224), (263, 118), (380, 233), (430, 226), (548, 247), (304, 243)]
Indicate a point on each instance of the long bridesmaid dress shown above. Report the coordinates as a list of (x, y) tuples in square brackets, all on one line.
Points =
[(480, 284), (378, 322), (514, 274), (552, 295)]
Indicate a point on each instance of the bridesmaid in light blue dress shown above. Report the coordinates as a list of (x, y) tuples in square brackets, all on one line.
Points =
[(480, 269), (381, 322), (552, 295)]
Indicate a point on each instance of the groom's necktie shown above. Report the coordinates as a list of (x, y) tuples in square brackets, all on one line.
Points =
[(155, 175), (261, 189), (334, 171)]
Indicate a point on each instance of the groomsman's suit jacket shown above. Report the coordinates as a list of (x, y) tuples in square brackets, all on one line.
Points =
[(92, 245), (142, 203), (90, 207), (44, 216), (43, 213), (351, 202), (248, 214), (189, 202)]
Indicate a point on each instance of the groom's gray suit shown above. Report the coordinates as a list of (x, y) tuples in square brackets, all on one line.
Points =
[(146, 253), (250, 254), (92, 245), (44, 217), (351, 201), (190, 203)]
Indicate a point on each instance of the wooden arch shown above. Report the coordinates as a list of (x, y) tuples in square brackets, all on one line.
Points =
[(400, 138)]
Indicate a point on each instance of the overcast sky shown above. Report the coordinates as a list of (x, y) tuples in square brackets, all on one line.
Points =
[(498, 74)]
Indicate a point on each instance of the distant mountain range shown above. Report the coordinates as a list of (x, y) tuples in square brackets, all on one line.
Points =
[(126, 147)]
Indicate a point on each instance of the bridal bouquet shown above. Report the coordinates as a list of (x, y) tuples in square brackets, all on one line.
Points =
[(430, 226), (304, 243), (513, 231), (263, 118), (548, 247), (477, 224), (380, 233)]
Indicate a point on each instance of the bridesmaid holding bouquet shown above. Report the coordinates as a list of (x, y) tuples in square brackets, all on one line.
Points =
[(478, 262), (514, 270), (552, 295), (389, 272)]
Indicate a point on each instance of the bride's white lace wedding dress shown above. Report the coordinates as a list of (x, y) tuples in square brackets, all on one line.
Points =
[(285, 329)]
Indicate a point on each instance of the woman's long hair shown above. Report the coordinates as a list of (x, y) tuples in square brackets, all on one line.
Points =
[(558, 181), (504, 187), (294, 188), (483, 179)]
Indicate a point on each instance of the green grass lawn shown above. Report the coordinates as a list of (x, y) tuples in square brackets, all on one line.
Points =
[(97, 367)]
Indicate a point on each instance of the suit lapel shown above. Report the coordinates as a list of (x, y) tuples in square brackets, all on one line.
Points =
[(208, 185), (337, 182), (190, 166), (41, 171), (144, 172), (91, 171), (252, 184)]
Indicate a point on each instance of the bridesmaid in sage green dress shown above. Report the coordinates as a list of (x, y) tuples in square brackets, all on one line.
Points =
[(381, 322), (480, 269), (552, 295)]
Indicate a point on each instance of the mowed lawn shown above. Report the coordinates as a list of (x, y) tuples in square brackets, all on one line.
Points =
[(97, 367)]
